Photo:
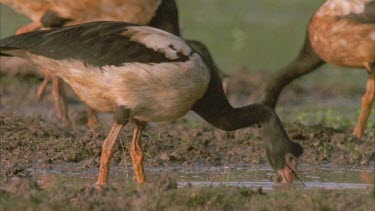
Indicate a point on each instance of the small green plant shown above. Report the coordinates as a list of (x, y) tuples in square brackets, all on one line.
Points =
[(227, 179), (127, 177)]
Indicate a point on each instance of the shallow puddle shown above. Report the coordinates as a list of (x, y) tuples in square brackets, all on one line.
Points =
[(326, 177)]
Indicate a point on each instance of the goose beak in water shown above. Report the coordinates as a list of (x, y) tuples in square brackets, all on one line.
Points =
[(287, 174)]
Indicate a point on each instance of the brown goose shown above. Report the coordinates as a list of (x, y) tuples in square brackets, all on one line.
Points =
[(341, 32)]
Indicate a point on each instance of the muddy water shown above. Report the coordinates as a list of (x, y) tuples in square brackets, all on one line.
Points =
[(326, 177)]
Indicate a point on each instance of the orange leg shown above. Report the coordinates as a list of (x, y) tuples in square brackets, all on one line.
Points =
[(59, 98), (367, 101), (28, 28), (92, 118), (43, 86), (107, 153), (58, 94), (137, 154), (121, 118)]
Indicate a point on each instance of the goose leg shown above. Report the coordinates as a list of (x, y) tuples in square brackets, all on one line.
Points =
[(92, 118), (137, 154), (59, 98), (43, 86), (367, 101), (58, 95), (121, 118)]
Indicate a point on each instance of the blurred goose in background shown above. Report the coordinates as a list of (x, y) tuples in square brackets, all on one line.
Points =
[(72, 12), (342, 33)]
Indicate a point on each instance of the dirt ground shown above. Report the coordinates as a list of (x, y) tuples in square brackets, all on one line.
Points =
[(31, 133), (25, 194)]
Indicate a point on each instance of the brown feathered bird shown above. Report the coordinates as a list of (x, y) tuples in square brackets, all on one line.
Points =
[(341, 32)]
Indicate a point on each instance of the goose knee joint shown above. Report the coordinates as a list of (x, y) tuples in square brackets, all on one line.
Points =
[(136, 153), (121, 115)]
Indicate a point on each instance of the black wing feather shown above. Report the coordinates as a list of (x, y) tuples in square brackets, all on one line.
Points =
[(96, 44)]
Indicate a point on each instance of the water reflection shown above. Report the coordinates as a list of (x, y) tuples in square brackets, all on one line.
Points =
[(259, 176)]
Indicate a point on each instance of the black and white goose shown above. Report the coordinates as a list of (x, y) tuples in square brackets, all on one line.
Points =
[(143, 74), (161, 14), (47, 14)]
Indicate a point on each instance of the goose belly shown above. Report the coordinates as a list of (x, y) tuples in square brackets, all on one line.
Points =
[(154, 92), (161, 92), (342, 42)]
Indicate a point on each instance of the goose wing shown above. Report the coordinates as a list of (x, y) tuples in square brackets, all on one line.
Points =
[(101, 43)]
